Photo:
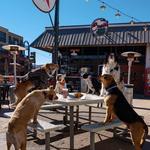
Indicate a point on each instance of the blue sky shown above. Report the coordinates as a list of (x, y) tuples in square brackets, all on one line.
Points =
[(23, 18)]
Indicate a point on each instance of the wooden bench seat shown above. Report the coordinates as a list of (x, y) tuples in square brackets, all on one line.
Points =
[(94, 128)]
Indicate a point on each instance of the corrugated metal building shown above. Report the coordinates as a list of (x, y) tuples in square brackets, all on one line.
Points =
[(92, 50)]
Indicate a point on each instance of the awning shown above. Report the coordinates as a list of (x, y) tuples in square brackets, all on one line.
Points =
[(81, 36)]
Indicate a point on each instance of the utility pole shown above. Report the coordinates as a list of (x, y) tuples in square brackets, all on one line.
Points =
[(56, 34)]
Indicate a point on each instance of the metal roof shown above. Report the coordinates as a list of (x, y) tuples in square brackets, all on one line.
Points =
[(81, 36)]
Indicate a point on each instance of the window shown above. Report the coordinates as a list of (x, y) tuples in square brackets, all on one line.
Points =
[(10, 40), (15, 41), (2, 37)]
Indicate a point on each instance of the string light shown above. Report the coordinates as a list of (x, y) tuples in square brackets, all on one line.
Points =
[(145, 28), (103, 7), (132, 21), (118, 14)]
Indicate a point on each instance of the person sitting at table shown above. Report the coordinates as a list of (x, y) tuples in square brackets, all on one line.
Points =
[(60, 83)]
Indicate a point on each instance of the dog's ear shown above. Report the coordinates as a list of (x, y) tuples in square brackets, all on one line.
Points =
[(51, 87), (46, 66), (99, 77), (107, 77)]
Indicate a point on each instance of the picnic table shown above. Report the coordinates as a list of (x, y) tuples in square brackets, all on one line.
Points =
[(71, 102)]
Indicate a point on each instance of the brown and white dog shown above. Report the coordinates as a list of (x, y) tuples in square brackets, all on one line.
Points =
[(117, 106), (36, 79), (26, 110)]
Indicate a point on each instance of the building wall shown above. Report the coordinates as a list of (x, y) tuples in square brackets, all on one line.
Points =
[(91, 57), (6, 58), (147, 72), (7, 37)]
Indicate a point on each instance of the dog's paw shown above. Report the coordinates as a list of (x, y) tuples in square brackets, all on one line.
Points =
[(35, 122), (13, 106)]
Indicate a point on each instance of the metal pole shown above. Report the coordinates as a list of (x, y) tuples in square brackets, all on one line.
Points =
[(71, 128), (27, 46), (129, 70), (15, 80), (56, 34)]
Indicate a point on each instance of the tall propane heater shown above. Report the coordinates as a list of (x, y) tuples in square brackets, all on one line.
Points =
[(129, 87), (14, 51)]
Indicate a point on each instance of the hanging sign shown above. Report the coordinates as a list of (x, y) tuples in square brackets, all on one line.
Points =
[(99, 26), (44, 5)]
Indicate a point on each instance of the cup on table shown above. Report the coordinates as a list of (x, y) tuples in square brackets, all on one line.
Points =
[(65, 92)]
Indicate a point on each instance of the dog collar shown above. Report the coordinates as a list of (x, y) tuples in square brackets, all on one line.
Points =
[(111, 88)]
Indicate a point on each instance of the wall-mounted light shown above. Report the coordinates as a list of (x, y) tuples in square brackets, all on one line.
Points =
[(74, 52)]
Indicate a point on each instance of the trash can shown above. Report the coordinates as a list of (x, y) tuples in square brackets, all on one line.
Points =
[(12, 96), (129, 93)]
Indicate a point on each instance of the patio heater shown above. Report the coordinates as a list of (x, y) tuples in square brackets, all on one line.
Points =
[(129, 87), (14, 51)]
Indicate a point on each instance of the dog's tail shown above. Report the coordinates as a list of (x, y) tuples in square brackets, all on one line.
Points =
[(145, 134)]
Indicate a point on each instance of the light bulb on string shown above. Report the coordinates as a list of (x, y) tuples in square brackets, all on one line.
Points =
[(102, 7), (118, 14), (145, 28), (132, 21)]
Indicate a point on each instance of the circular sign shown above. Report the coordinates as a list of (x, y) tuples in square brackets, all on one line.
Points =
[(99, 26), (44, 5)]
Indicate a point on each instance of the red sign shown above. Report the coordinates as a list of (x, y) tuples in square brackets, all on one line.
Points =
[(99, 26), (147, 82), (44, 5)]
